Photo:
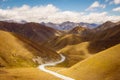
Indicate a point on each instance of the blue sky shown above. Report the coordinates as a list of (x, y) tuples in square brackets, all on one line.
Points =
[(76, 5), (82, 6), (72, 5)]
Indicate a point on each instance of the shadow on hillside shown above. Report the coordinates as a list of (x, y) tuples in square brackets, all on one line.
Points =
[(111, 37), (37, 49)]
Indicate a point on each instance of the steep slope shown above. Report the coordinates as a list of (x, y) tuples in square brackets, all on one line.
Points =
[(97, 42), (104, 39), (16, 51), (118, 22), (82, 41), (75, 53), (105, 26), (33, 31), (102, 66), (77, 30), (60, 42)]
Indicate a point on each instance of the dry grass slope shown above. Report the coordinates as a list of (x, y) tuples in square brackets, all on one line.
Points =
[(102, 66), (60, 42), (104, 39), (13, 52), (33, 31), (17, 53), (75, 53)]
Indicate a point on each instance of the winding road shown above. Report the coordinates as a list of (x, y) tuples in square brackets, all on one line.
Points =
[(42, 67)]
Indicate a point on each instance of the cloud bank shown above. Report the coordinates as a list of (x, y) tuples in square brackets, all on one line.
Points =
[(96, 5), (50, 13), (116, 1), (117, 9)]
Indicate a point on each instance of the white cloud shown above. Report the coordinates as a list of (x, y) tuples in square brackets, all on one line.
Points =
[(100, 17), (116, 1), (117, 9), (95, 5), (50, 13)]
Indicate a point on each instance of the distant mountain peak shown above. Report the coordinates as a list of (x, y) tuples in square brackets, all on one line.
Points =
[(69, 25), (108, 22), (106, 25), (118, 23), (78, 30)]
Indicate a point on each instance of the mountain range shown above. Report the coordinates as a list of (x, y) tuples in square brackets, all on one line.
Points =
[(89, 50), (33, 31), (69, 25)]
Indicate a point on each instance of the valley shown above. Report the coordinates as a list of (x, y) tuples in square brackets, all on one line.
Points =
[(37, 52), (59, 39)]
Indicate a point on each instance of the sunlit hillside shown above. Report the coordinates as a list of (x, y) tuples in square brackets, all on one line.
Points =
[(33, 31), (102, 66), (75, 53), (59, 39), (16, 52), (60, 42)]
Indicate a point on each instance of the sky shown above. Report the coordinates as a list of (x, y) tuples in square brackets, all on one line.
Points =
[(58, 11)]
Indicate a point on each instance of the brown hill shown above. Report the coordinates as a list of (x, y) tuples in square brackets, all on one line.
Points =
[(33, 31), (102, 66), (118, 22), (105, 26), (104, 39), (96, 42), (99, 40), (75, 53), (60, 42), (17, 51), (77, 30)]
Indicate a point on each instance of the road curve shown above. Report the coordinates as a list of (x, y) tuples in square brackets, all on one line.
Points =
[(42, 67)]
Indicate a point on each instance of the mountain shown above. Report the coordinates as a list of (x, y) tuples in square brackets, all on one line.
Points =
[(104, 39), (75, 53), (102, 66), (100, 39), (86, 43), (89, 25), (33, 31), (105, 26), (18, 21), (17, 51), (78, 30), (69, 25), (60, 42), (71, 37), (91, 53), (117, 23)]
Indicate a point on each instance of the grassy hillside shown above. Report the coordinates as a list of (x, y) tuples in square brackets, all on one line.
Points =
[(25, 74), (17, 53), (33, 31), (102, 66), (60, 42), (75, 53), (104, 39), (75, 47), (78, 30)]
